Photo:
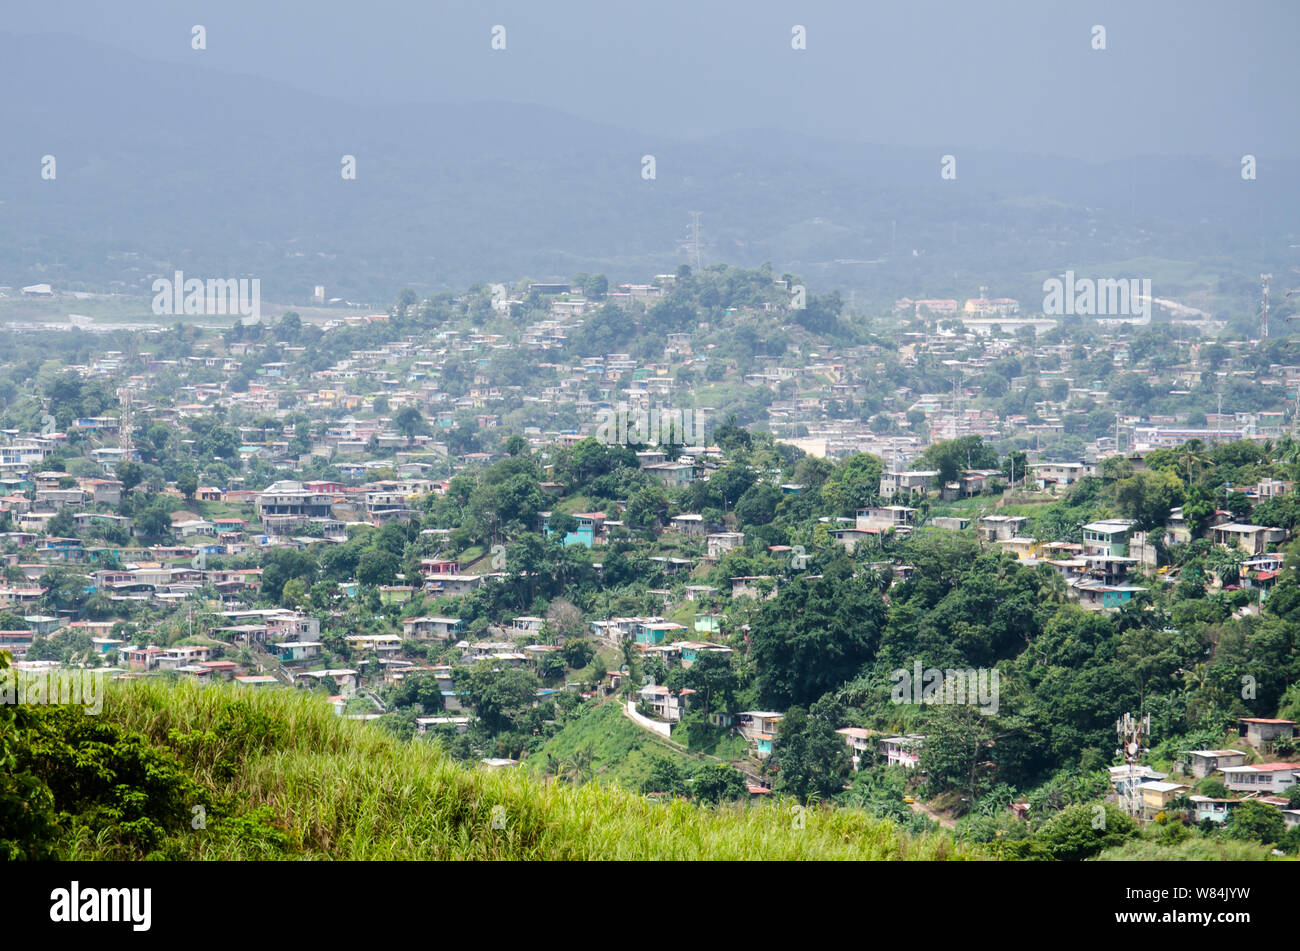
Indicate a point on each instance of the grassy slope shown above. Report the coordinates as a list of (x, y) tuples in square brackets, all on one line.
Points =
[(622, 752), (345, 790)]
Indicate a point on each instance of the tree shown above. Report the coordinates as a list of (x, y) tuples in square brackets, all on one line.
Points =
[(711, 677), (500, 697), (952, 456), (131, 473), (578, 653), (1081, 831), (409, 421), (1148, 497), (719, 782), (956, 750), (815, 635), (551, 667), (1255, 821), (187, 483), (154, 521), (378, 567), (810, 754), (853, 484), (578, 766), (63, 590), (665, 777), (62, 525)]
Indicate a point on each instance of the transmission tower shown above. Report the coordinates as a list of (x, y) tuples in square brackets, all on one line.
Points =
[(126, 428), (1132, 732), (1266, 278), (695, 238)]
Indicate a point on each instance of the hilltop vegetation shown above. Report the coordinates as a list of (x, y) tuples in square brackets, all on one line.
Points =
[(279, 776)]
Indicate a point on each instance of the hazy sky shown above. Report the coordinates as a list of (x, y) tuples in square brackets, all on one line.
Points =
[(1178, 76)]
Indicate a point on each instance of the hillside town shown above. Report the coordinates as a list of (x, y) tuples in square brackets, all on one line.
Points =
[(485, 518)]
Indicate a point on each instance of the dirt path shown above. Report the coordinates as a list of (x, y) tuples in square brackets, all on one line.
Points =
[(922, 809)]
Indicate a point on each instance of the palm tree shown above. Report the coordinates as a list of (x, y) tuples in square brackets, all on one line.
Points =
[(577, 767), (1194, 454), (1225, 563)]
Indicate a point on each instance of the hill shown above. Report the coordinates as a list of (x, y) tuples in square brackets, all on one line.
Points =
[(188, 772), (162, 166)]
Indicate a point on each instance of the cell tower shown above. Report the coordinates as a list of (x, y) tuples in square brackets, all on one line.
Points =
[(1132, 732), (695, 237), (1266, 278), (126, 427)]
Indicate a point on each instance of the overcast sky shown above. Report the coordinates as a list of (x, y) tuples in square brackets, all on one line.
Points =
[(1177, 77)]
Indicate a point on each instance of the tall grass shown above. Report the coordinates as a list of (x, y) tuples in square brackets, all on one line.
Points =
[(311, 785)]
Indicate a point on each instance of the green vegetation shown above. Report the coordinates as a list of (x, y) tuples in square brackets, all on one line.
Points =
[(280, 776)]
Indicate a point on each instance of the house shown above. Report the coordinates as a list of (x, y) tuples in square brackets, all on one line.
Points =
[(347, 680), (858, 741), (1201, 763), (435, 628), (1254, 540), (691, 651), (292, 651), (1047, 474), (884, 518), (527, 625), (650, 633), (1024, 549), (673, 475), (255, 680), (485, 650), (425, 724), (911, 484), (435, 567), (851, 538), (589, 526), (1157, 795), (998, 528), (1177, 529), (379, 643), (1215, 810), (722, 542), (1124, 777), (1099, 596), (454, 584), (1107, 537), (759, 727), (691, 525), (752, 586), (1260, 730), (1261, 778), (902, 751), (666, 705), (709, 623), (292, 500)]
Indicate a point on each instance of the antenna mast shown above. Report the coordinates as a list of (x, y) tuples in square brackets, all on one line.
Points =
[(1132, 732), (1266, 278), (695, 237)]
